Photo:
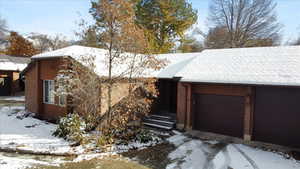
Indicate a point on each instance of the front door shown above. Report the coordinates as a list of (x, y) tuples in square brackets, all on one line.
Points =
[(167, 98)]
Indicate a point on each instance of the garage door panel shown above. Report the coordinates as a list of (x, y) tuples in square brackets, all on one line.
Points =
[(277, 116), (219, 114)]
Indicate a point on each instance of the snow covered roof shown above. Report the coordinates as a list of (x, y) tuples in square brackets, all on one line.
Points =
[(262, 65), (10, 63), (174, 61)]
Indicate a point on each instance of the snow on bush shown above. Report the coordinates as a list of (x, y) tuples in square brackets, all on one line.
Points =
[(71, 128)]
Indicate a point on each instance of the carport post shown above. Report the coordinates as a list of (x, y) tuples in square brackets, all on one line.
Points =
[(248, 118)]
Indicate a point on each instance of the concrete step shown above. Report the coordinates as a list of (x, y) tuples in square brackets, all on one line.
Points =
[(158, 126), (162, 117), (160, 121)]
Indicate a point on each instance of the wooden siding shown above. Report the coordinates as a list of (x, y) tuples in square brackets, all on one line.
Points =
[(220, 90)]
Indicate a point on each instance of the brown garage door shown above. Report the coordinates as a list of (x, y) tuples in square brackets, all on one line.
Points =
[(219, 114), (277, 116)]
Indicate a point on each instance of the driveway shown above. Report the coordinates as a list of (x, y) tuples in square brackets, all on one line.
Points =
[(197, 154)]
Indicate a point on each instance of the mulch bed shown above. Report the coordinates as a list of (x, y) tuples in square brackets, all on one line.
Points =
[(155, 157)]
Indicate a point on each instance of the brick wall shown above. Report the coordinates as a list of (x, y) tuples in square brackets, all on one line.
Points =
[(47, 70), (42, 70), (31, 87)]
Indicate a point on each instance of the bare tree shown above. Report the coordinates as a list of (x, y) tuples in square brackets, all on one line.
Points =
[(88, 35), (59, 41), (189, 44), (44, 43), (3, 30), (217, 38), (41, 42), (245, 20), (297, 42)]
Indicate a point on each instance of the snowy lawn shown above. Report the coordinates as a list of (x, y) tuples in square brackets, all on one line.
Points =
[(197, 154), (20, 132), (29, 134)]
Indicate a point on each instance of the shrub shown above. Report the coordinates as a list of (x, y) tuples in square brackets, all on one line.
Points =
[(145, 136), (124, 136), (71, 128)]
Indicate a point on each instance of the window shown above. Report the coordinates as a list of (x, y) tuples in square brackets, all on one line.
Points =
[(49, 97)]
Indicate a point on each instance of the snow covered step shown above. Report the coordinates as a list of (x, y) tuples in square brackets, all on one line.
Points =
[(158, 126), (161, 117), (160, 121)]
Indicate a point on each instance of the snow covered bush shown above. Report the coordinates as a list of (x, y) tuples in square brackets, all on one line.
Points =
[(71, 128), (145, 136), (125, 136), (78, 83)]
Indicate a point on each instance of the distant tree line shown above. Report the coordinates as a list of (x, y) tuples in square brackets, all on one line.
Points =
[(12, 43), (232, 24)]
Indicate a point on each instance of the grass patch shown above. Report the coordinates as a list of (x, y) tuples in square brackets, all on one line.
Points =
[(107, 163)]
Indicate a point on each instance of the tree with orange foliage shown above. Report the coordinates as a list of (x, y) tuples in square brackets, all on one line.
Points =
[(125, 42), (19, 46)]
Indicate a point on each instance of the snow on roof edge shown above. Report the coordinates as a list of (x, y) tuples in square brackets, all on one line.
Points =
[(239, 82)]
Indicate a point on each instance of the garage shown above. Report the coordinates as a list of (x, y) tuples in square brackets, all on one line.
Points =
[(220, 114), (277, 115)]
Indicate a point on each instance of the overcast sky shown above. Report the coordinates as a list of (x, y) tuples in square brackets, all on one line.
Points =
[(60, 16)]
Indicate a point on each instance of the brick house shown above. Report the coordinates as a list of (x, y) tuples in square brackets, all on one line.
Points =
[(10, 68), (250, 93), (43, 69)]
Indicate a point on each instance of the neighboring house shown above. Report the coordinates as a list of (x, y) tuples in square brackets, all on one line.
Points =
[(251, 93), (10, 67)]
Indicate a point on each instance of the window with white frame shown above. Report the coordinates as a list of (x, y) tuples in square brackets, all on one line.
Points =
[(49, 96)]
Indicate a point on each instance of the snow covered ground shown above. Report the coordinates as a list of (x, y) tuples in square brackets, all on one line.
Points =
[(30, 134), (21, 132), (196, 154), (18, 131), (17, 161)]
